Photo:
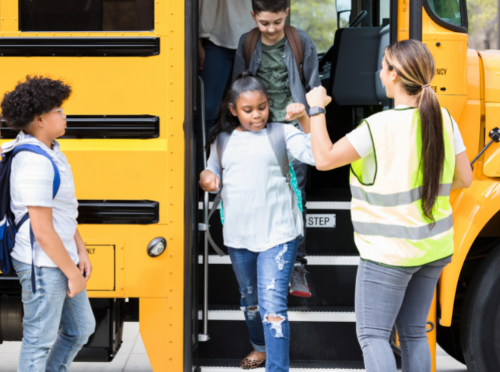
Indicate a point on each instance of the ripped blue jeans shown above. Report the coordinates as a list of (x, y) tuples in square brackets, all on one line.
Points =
[(263, 279)]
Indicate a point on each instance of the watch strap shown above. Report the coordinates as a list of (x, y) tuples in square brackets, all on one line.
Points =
[(316, 111)]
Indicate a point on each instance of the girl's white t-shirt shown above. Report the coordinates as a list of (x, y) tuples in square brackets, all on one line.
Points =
[(258, 211), (360, 139), (31, 184)]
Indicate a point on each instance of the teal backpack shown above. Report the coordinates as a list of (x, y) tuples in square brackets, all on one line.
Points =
[(276, 135)]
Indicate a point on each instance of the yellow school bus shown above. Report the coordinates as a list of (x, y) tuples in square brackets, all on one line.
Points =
[(131, 141)]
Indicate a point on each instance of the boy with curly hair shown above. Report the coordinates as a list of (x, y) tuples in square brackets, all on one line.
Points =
[(58, 319)]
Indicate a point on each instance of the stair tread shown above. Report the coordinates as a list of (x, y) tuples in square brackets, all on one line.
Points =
[(312, 309), (337, 366), (312, 259)]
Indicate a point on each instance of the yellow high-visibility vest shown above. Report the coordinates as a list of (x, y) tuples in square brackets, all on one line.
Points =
[(389, 225)]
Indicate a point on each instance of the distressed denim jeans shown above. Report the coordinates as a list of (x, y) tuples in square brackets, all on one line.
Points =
[(55, 326), (263, 279), (402, 296)]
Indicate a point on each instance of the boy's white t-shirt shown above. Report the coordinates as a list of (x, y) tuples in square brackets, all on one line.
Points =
[(258, 210), (31, 183), (360, 139)]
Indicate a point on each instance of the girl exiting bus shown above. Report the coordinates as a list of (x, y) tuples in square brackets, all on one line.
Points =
[(405, 162), (261, 220)]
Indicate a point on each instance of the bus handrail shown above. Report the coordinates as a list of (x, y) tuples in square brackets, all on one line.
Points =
[(204, 227)]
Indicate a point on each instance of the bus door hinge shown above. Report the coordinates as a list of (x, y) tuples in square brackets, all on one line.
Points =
[(202, 227)]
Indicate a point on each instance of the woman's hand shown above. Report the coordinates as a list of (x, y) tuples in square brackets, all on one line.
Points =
[(294, 111), (209, 181), (317, 97)]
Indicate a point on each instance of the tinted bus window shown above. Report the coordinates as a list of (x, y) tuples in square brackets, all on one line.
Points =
[(86, 15), (447, 10)]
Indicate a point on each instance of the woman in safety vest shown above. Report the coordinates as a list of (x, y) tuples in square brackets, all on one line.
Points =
[(405, 162)]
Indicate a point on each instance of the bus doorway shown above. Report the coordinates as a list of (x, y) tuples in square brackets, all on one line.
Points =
[(350, 37)]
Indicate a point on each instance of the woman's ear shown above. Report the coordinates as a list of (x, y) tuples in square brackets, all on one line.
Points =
[(233, 109)]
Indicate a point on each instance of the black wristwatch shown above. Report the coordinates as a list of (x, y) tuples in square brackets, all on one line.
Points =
[(316, 111)]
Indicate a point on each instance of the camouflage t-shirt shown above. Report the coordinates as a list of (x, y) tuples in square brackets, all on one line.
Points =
[(274, 74)]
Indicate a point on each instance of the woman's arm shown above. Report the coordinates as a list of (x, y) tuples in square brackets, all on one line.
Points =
[(462, 178), (326, 154), (41, 220)]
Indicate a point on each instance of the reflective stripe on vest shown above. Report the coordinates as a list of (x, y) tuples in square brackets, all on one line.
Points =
[(386, 208)]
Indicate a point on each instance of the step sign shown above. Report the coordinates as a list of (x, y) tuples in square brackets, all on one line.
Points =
[(321, 220)]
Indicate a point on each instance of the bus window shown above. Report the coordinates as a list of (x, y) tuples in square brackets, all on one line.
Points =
[(86, 15), (318, 19), (448, 10)]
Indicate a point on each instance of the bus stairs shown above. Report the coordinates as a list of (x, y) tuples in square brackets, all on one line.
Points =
[(323, 327)]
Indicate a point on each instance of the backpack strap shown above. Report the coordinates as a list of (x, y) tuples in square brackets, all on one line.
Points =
[(250, 44), (222, 141), (55, 188), (293, 38), (276, 135), (38, 150)]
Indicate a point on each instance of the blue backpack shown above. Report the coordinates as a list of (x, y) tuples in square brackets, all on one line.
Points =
[(8, 228)]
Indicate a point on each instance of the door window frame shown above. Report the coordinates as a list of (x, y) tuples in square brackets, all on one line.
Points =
[(464, 28)]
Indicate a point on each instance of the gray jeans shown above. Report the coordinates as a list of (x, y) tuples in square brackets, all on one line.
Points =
[(386, 296)]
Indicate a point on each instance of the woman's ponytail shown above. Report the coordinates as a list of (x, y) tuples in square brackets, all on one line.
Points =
[(226, 122), (416, 67)]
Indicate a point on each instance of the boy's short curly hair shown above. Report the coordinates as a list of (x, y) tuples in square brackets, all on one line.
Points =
[(273, 6), (36, 96)]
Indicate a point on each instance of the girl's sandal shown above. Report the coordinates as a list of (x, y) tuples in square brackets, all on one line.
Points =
[(250, 363)]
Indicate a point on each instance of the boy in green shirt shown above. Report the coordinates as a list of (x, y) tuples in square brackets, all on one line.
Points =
[(274, 63)]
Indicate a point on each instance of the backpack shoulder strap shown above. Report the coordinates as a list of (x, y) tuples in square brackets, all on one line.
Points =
[(38, 150), (222, 141), (293, 38), (250, 44), (276, 135), (55, 188)]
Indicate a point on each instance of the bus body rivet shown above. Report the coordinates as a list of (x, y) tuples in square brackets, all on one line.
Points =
[(121, 267)]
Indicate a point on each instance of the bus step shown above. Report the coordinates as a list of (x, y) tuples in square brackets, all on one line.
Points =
[(311, 260), (295, 314), (330, 285), (229, 365)]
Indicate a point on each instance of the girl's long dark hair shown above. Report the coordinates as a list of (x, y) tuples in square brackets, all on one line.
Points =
[(416, 67), (226, 122)]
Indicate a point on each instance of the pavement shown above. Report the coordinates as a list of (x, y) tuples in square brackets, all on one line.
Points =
[(132, 357)]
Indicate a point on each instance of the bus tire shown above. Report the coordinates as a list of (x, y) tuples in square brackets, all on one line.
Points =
[(480, 319)]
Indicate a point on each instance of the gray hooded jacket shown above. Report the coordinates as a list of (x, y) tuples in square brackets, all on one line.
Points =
[(310, 68)]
